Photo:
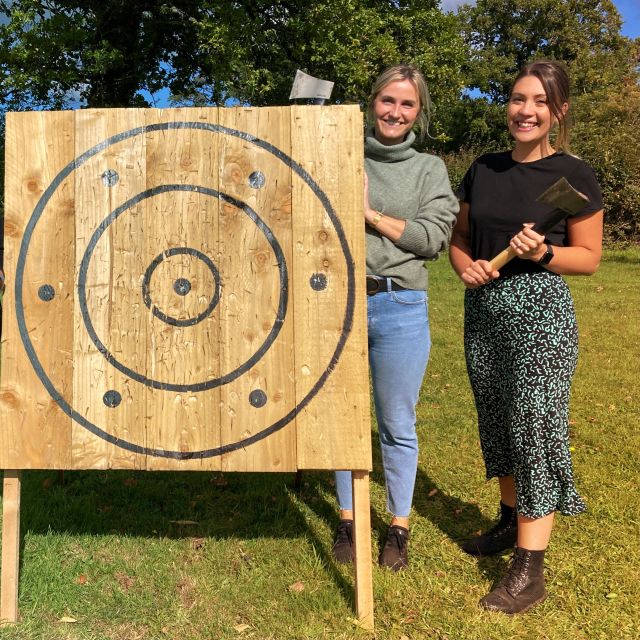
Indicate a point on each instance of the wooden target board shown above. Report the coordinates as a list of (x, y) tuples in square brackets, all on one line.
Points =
[(185, 290)]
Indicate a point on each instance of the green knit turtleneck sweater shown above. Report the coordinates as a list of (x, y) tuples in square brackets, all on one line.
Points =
[(414, 186)]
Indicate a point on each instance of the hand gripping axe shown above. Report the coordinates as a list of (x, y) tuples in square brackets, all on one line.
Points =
[(567, 201)]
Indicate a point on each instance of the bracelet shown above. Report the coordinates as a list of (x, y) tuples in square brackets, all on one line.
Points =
[(376, 219)]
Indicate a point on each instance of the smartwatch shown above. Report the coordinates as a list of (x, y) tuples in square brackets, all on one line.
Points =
[(547, 257)]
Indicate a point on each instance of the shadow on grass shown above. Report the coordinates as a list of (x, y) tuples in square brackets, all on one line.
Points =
[(180, 505), (159, 504), (457, 519)]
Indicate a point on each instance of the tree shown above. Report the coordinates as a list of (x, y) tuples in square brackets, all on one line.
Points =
[(253, 49), (96, 53), (91, 52), (503, 35)]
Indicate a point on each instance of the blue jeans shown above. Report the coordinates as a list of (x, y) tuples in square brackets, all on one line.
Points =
[(399, 343)]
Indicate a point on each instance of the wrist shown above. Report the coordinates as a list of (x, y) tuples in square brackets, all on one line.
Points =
[(374, 220)]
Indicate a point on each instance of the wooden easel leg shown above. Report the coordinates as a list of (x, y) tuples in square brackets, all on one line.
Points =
[(362, 535), (10, 547)]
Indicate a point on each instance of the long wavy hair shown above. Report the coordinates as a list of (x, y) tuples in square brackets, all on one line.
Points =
[(555, 80)]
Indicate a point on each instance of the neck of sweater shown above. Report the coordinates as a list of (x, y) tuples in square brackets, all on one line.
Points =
[(379, 152)]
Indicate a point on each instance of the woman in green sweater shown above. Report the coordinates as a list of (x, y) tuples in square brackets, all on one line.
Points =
[(409, 213)]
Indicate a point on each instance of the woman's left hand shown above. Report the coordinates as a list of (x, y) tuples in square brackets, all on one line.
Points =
[(527, 244)]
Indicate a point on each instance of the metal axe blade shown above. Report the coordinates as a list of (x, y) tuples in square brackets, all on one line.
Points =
[(567, 201)]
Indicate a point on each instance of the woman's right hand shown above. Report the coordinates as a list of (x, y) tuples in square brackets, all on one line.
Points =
[(478, 273)]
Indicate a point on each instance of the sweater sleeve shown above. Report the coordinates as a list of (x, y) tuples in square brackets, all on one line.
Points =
[(430, 231)]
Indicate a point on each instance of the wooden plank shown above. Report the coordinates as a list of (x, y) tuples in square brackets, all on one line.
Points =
[(362, 546), (36, 433), (10, 546), (334, 426), (281, 345), (104, 395), (184, 225), (256, 313)]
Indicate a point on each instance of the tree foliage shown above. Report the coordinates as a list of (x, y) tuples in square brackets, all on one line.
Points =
[(96, 53), (54, 53), (65, 53), (503, 35)]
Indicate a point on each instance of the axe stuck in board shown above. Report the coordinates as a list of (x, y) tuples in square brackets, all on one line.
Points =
[(567, 201)]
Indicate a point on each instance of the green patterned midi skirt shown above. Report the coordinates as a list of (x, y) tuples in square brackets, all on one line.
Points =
[(521, 348)]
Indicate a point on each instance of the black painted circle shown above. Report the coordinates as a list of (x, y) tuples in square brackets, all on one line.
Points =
[(183, 284), (257, 398), (38, 211), (210, 383), (318, 281), (46, 293), (112, 399)]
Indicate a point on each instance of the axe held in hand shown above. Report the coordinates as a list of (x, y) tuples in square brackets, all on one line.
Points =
[(567, 201)]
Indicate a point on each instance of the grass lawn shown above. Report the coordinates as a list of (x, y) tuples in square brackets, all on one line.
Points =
[(197, 556)]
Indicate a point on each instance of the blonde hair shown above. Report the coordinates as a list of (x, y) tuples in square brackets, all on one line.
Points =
[(555, 81), (402, 72)]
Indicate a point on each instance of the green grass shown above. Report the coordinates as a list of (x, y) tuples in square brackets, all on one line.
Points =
[(113, 550)]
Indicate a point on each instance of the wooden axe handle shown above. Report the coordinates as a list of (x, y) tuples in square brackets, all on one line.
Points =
[(502, 258)]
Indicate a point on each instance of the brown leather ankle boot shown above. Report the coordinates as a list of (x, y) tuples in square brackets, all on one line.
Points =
[(522, 586)]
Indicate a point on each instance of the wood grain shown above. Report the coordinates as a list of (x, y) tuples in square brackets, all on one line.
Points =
[(258, 210)]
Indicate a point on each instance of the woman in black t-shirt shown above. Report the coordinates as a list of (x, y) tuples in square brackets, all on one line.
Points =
[(520, 331)]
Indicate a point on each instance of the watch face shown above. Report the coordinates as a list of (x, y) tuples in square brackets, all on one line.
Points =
[(546, 258)]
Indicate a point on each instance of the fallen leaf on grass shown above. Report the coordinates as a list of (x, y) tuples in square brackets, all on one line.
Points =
[(362, 624), (611, 596), (197, 543), (81, 579), (219, 481), (67, 620), (432, 493), (403, 637), (241, 628), (297, 587)]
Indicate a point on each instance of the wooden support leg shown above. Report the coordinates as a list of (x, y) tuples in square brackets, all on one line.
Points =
[(10, 547), (362, 535)]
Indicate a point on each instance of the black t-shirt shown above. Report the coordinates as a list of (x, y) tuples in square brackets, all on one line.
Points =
[(502, 193)]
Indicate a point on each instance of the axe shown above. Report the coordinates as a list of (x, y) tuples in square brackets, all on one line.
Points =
[(567, 201)]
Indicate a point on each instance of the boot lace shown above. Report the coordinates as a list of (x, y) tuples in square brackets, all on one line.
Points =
[(516, 578)]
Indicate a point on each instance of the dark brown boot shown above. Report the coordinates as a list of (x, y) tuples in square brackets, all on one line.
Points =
[(499, 538), (523, 585)]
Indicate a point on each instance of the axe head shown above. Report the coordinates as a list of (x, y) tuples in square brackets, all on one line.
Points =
[(563, 196)]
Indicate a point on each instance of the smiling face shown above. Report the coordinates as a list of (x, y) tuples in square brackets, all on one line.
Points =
[(395, 110), (529, 116)]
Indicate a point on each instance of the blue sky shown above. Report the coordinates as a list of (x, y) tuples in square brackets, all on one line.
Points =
[(630, 11)]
